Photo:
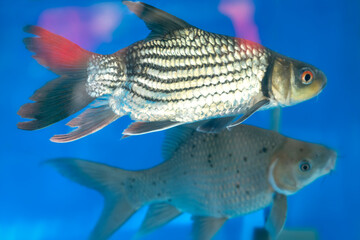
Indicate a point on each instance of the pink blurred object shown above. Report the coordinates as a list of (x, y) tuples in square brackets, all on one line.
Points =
[(86, 26), (241, 13)]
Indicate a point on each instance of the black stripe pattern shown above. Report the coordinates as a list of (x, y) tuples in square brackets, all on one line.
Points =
[(189, 75), (105, 74)]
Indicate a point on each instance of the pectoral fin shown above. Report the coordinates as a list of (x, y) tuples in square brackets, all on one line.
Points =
[(276, 220), (276, 119), (204, 228), (215, 125), (158, 215), (253, 109)]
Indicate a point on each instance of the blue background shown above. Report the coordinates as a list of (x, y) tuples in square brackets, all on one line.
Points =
[(37, 203)]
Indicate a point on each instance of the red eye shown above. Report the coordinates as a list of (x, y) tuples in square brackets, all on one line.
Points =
[(307, 77)]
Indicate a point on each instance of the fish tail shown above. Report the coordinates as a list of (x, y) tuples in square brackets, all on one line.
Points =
[(71, 92), (119, 188), (63, 96)]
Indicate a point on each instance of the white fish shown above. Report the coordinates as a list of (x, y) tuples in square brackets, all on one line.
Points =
[(214, 177)]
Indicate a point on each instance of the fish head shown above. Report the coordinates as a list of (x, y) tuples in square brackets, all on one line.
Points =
[(293, 81), (296, 164)]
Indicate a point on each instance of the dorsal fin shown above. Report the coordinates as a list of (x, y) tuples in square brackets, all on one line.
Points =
[(174, 138), (158, 21)]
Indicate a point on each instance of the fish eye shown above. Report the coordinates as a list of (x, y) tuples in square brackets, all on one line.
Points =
[(307, 77), (305, 166)]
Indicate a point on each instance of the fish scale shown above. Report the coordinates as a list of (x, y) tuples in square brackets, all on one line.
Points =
[(175, 91), (213, 177), (203, 159), (178, 74), (104, 75)]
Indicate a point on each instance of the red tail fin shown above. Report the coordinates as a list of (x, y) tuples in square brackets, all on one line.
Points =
[(55, 52), (65, 95)]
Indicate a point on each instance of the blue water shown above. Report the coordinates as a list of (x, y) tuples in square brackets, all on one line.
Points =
[(37, 203)]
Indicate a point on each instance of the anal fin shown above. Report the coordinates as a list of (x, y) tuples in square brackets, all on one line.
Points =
[(138, 128), (204, 228), (90, 121), (250, 112), (157, 215)]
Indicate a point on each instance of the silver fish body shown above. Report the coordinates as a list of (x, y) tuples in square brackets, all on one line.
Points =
[(190, 75), (179, 74), (214, 177), (220, 175)]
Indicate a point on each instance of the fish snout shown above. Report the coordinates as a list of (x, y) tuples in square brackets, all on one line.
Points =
[(321, 75), (330, 166)]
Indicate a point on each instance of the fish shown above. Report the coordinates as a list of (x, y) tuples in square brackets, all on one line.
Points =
[(212, 176), (178, 74)]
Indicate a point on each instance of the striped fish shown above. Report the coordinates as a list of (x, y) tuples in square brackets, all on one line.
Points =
[(179, 74)]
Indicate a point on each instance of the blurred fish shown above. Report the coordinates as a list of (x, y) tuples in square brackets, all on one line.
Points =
[(179, 74), (214, 177)]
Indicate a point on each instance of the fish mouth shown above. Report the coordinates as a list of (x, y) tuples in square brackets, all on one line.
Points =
[(330, 166), (324, 79)]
